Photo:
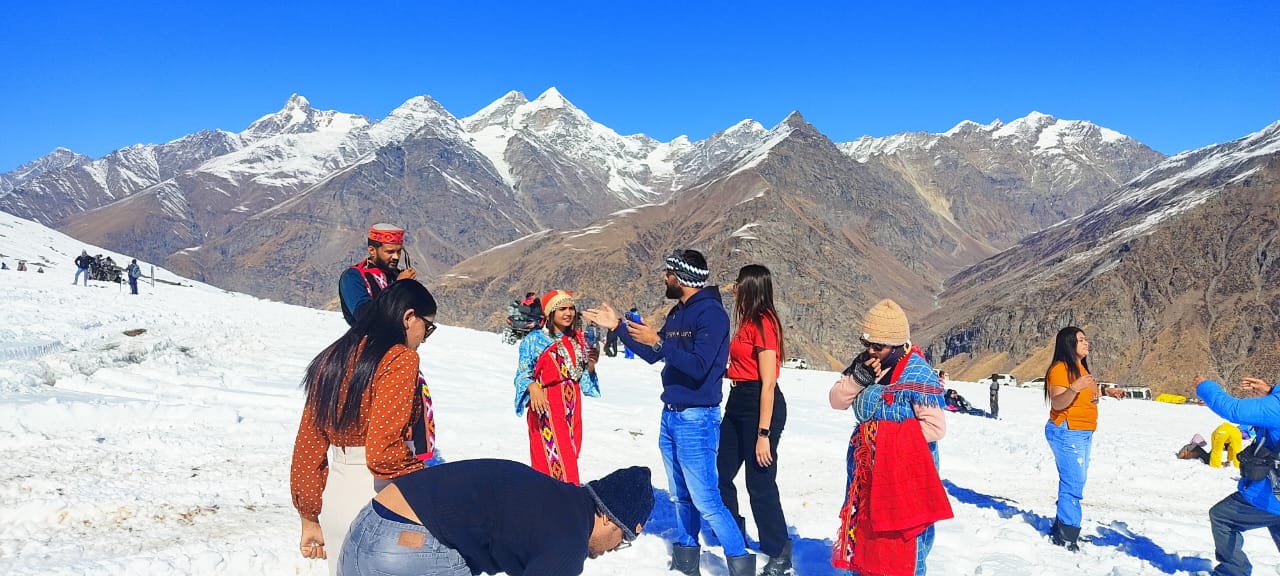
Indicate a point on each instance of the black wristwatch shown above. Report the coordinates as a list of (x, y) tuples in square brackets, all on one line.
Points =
[(657, 346), (764, 432)]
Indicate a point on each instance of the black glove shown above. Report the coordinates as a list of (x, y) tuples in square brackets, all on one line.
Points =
[(860, 372)]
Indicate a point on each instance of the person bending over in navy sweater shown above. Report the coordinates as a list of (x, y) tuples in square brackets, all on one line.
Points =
[(494, 516)]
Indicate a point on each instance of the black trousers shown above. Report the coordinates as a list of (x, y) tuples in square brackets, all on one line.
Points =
[(739, 430), (611, 344)]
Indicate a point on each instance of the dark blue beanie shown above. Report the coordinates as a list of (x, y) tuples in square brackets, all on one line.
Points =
[(625, 497)]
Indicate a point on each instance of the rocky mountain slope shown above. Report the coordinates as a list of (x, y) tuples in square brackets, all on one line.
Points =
[(1003, 181), (838, 234), (1173, 275)]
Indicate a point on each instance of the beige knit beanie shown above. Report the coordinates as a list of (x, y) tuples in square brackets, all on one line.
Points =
[(886, 323)]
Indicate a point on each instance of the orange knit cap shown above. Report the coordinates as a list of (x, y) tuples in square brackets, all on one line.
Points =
[(386, 234), (555, 299)]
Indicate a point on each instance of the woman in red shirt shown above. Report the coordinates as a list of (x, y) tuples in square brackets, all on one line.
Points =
[(364, 400), (755, 415)]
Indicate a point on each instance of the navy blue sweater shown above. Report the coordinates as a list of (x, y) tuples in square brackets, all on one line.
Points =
[(503, 516), (695, 347)]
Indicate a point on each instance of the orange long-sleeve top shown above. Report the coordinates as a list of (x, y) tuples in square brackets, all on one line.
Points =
[(387, 410), (1082, 413)]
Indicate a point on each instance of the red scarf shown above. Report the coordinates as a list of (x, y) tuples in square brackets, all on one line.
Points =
[(906, 497)]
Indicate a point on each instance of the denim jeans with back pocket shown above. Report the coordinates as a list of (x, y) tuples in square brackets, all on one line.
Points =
[(376, 546)]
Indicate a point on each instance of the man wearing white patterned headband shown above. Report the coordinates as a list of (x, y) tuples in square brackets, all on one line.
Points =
[(362, 282), (694, 344)]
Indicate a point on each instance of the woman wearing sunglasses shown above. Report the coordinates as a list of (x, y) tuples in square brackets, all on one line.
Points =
[(365, 400), (893, 452), (555, 369)]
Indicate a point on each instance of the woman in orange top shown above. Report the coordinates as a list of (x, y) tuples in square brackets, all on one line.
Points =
[(365, 399), (1073, 416)]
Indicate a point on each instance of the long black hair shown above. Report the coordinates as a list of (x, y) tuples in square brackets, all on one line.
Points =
[(755, 299), (1064, 350), (380, 328)]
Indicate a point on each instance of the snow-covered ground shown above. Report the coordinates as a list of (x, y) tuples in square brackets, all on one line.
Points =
[(168, 452)]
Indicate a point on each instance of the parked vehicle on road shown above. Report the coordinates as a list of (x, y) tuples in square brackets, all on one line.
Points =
[(797, 363)]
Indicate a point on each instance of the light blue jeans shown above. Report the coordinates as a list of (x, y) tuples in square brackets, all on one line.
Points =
[(376, 546), (689, 440), (80, 271), (1071, 450)]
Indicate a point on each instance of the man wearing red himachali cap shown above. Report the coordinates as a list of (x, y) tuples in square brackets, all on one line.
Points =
[(360, 283)]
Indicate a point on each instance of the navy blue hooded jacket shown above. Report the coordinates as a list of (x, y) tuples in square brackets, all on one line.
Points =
[(695, 347)]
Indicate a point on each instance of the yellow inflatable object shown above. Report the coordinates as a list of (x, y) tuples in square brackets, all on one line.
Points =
[(1171, 398)]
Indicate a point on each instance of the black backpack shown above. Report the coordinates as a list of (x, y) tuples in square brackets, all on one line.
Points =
[(1258, 462)]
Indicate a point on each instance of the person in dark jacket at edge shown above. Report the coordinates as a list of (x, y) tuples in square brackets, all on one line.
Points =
[(494, 516), (1256, 501), (694, 344), (362, 282)]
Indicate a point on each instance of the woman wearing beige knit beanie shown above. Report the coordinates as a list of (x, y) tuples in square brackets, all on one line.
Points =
[(897, 401)]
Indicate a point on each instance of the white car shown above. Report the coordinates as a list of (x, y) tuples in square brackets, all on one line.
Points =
[(1037, 382), (797, 363)]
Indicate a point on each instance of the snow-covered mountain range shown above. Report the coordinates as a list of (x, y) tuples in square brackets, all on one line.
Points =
[(275, 209)]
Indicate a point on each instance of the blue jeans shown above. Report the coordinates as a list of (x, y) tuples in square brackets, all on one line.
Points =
[(688, 441), (80, 271), (1071, 450), (376, 546), (1229, 519)]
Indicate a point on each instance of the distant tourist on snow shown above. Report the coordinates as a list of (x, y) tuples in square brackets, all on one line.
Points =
[(362, 282), (555, 369), (755, 415), (364, 397), (1254, 504), (1072, 394), (897, 402), (4, 266), (994, 406), (610, 342), (1227, 437), (22, 266), (83, 262), (134, 273), (956, 402), (494, 516), (694, 346)]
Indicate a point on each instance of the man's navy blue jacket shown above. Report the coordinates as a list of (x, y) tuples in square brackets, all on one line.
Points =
[(695, 347)]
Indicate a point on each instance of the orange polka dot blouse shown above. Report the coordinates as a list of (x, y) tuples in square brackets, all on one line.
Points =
[(389, 406)]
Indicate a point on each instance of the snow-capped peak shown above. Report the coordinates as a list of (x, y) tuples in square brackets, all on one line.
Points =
[(963, 126), (297, 102), (298, 116), (552, 99), (1026, 126), (498, 112)]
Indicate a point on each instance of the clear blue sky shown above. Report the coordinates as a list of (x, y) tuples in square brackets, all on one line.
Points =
[(96, 76)]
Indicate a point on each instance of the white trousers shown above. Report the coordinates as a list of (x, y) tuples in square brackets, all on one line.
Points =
[(349, 488)]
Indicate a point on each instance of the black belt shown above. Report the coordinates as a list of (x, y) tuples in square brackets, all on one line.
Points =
[(744, 384), (682, 407)]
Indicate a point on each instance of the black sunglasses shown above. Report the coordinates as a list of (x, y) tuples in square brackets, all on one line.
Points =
[(874, 346), (431, 328)]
